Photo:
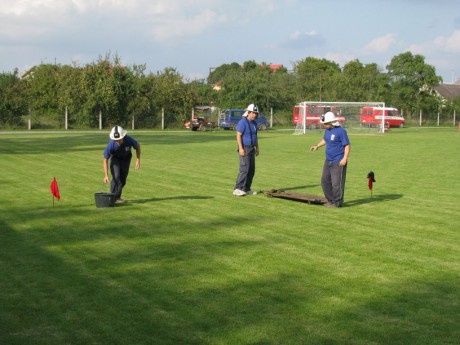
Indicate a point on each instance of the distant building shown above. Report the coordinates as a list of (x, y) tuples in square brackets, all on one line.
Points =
[(448, 91), (275, 67), (217, 86)]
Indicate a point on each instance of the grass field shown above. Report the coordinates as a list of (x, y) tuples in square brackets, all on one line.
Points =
[(185, 262)]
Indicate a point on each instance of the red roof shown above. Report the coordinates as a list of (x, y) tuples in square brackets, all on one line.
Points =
[(274, 67)]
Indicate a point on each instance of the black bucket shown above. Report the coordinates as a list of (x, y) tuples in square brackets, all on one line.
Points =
[(104, 199)]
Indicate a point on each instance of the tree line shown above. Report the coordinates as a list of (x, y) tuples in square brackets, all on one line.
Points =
[(117, 94)]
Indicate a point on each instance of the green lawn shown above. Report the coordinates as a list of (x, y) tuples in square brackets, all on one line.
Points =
[(185, 262)]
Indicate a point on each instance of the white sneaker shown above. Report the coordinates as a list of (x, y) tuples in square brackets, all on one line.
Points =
[(239, 192), (250, 192)]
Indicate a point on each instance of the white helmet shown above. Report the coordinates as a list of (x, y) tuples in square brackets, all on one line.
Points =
[(253, 108), (329, 117), (117, 133)]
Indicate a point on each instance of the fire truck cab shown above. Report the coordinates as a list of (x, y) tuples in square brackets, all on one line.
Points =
[(313, 115), (372, 117)]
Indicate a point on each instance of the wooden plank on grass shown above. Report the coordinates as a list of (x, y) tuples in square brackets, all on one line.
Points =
[(310, 199)]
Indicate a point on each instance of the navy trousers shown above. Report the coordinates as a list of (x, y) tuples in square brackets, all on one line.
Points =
[(333, 182), (247, 169), (119, 169)]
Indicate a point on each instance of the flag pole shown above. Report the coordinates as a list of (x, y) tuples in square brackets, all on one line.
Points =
[(55, 190)]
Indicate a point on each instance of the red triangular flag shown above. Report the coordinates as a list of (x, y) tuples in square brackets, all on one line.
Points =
[(370, 183), (55, 189)]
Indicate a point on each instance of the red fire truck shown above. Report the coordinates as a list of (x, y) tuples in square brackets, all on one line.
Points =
[(313, 115), (372, 117)]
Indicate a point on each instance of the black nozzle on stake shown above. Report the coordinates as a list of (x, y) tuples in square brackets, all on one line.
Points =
[(370, 174), (370, 180)]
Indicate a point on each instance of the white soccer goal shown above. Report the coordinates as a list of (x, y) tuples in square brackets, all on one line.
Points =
[(354, 116), (299, 129)]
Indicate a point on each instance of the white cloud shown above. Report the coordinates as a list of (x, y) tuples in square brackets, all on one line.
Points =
[(450, 44), (440, 45), (163, 32), (24, 7), (298, 35), (181, 26), (380, 45), (163, 19), (441, 52), (29, 7), (304, 40)]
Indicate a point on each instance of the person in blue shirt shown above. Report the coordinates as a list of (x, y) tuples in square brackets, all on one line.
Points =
[(335, 166), (248, 149), (118, 150)]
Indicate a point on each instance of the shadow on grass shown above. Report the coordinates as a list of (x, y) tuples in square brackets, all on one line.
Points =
[(378, 198), (97, 141), (47, 299), (105, 284), (183, 138), (184, 197), (54, 143)]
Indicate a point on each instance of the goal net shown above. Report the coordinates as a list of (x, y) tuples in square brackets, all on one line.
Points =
[(356, 117)]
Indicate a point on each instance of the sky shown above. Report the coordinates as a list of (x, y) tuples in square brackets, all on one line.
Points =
[(196, 36)]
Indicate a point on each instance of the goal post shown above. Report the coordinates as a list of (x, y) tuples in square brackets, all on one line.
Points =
[(356, 117)]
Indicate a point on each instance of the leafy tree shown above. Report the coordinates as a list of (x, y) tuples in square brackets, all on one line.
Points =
[(249, 66), (352, 83), (222, 71), (377, 84), (42, 88), (142, 103), (108, 88), (271, 89), (456, 105), (410, 75), (99, 96), (204, 92), (240, 88), (124, 90), (255, 83), (173, 95), (71, 91), (120, 93), (317, 79), (12, 100), (284, 85), (362, 83)]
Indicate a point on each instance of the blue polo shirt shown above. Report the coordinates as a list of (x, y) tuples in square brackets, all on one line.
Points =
[(336, 139), (247, 128), (122, 151)]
